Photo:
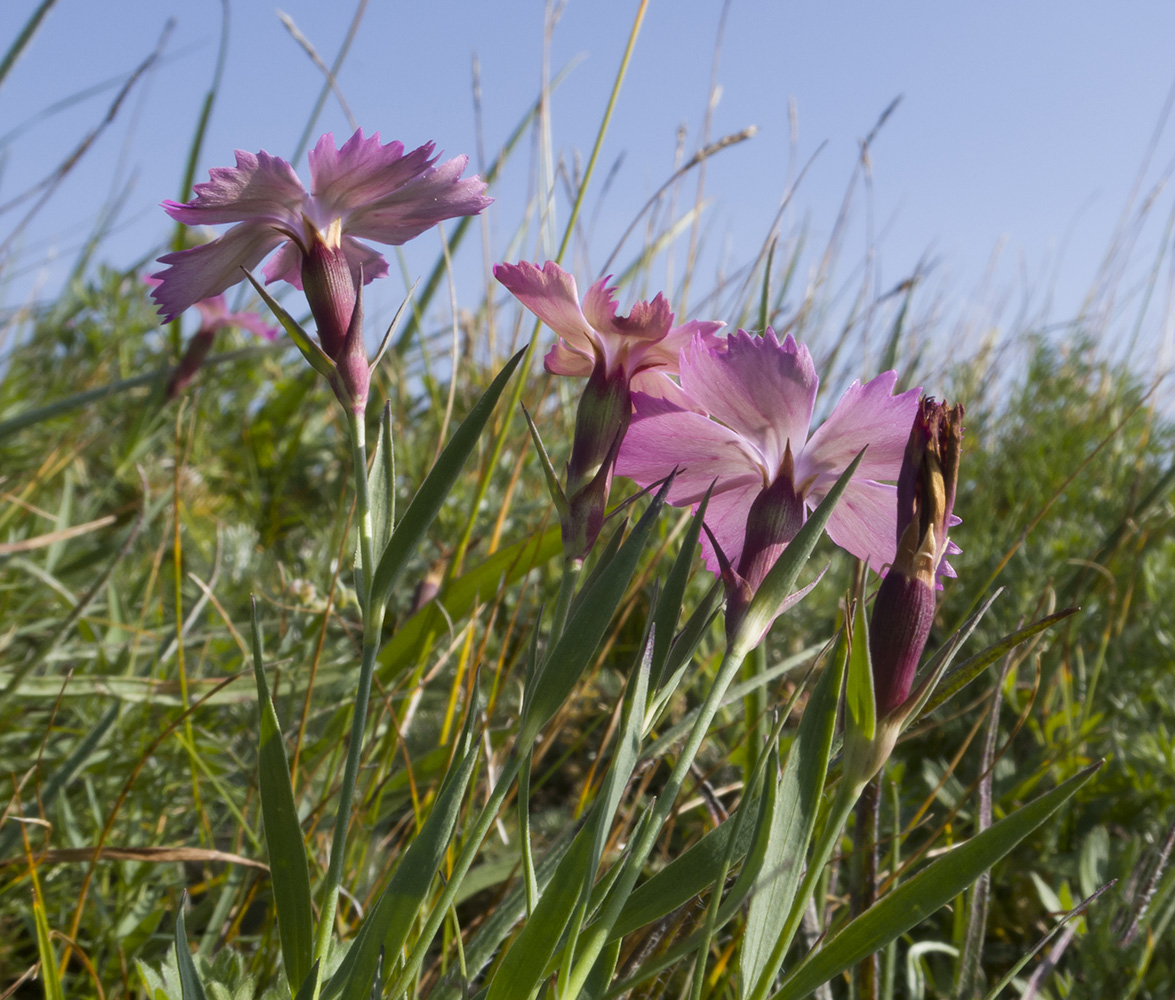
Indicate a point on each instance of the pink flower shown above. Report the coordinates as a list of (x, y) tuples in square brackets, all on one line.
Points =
[(642, 345), (364, 190), (617, 354), (745, 429)]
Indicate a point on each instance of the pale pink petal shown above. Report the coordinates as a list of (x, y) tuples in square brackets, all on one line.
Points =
[(654, 382), (865, 415), (864, 521), (726, 517), (285, 265), (565, 360), (552, 296), (646, 321), (665, 353), (259, 187), (208, 270), (758, 387), (662, 438), (212, 311), (364, 260), (433, 195)]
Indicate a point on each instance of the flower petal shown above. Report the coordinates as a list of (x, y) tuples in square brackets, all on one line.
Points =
[(865, 520), (758, 387), (649, 321), (865, 415), (417, 203), (565, 360), (207, 270), (665, 353), (550, 294), (726, 517), (259, 187), (663, 437)]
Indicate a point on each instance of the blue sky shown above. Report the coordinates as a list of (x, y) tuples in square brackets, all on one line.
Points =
[(1022, 127)]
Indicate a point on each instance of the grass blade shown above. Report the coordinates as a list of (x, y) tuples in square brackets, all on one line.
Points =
[(288, 867), (189, 981), (435, 488), (936, 885)]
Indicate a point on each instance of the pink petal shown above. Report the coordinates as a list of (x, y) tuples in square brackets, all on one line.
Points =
[(552, 296), (662, 438), (648, 321), (564, 360), (865, 521), (208, 270), (761, 389), (865, 415), (418, 203), (259, 187), (665, 353), (285, 265), (655, 383), (726, 517)]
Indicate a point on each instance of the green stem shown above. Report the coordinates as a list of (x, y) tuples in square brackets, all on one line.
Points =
[(372, 624), (846, 798), (592, 943), (571, 572)]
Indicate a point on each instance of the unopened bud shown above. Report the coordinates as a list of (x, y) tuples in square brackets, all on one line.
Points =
[(904, 609)]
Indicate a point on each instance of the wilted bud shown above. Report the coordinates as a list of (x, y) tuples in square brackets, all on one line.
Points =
[(330, 287), (904, 609), (601, 421)]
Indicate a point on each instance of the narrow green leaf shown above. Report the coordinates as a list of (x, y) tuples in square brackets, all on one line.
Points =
[(523, 966), (436, 486), (402, 902), (309, 988), (50, 979), (189, 981), (558, 497), (933, 887), (801, 787), (860, 703), (586, 626), (288, 868), (780, 581), (625, 756), (971, 668), (381, 485)]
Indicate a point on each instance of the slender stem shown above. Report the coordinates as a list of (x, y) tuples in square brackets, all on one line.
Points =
[(838, 814), (592, 943), (372, 624), (572, 568)]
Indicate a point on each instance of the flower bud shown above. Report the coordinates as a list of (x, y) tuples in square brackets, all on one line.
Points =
[(904, 609)]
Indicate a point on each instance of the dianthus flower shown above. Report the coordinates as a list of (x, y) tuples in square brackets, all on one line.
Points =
[(744, 430), (617, 354), (364, 189)]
